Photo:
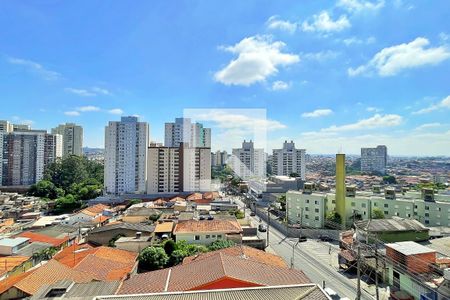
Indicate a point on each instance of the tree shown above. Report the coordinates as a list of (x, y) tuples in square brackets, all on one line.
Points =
[(153, 258), (333, 220), (389, 179), (282, 201), (169, 247), (112, 242), (45, 189), (221, 244), (183, 249), (239, 214), (377, 213)]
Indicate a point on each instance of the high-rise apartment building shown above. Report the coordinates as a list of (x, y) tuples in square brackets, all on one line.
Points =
[(25, 154), (21, 127), (289, 160), (5, 126), (178, 169), (219, 158), (126, 143), (248, 161), (72, 136), (374, 160), (184, 131)]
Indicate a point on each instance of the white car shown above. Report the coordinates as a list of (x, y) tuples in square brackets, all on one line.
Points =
[(333, 295)]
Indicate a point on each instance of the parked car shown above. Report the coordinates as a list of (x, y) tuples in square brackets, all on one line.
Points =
[(262, 228), (302, 239), (252, 214), (324, 238), (210, 217), (333, 295)]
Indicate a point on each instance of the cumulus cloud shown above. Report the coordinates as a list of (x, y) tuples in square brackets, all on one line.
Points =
[(317, 113), (320, 56), (392, 60), (325, 24), (280, 85), (444, 104), (373, 109), (377, 121), (116, 111), (94, 91), (72, 113), (88, 108), (35, 67), (357, 41), (275, 23), (258, 57), (360, 5)]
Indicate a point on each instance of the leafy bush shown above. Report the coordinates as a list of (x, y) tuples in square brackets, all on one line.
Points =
[(153, 258), (221, 244)]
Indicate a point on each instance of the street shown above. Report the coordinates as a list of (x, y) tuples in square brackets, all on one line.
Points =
[(312, 257)]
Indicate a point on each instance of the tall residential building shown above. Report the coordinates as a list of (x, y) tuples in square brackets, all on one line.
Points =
[(21, 127), (248, 161), (25, 154), (5, 126), (126, 145), (289, 160), (219, 158), (184, 131), (374, 160), (178, 169), (72, 135)]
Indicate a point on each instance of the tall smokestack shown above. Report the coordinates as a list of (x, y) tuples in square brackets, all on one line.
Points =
[(340, 187)]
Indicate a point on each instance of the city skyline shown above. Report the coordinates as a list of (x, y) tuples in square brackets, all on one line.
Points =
[(326, 73)]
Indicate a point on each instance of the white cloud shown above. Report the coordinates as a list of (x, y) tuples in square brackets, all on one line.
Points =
[(100, 91), (392, 60), (444, 37), (35, 68), (280, 85), (360, 5), (88, 108), (428, 126), (94, 91), (320, 56), (80, 92), (72, 113), (357, 41), (377, 121), (258, 58), (317, 113), (116, 111), (444, 104), (373, 109), (324, 23), (275, 23)]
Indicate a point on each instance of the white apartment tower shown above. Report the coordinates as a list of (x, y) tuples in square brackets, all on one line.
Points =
[(178, 169), (184, 131), (374, 160), (248, 161), (24, 155), (126, 145), (72, 135), (289, 160)]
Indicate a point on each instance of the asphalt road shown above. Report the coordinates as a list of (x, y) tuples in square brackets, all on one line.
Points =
[(313, 259)]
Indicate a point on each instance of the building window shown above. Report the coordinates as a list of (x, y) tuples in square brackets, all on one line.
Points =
[(408, 215), (427, 214), (427, 207), (316, 210), (316, 202), (307, 200), (353, 204), (207, 236), (219, 236), (306, 217), (197, 237), (427, 222), (213, 236), (333, 201), (306, 208), (386, 212), (316, 218), (363, 205), (386, 205)]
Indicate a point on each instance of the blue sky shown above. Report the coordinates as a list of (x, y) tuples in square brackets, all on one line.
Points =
[(330, 74)]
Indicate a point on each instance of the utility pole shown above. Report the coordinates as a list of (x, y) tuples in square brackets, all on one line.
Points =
[(358, 266), (377, 293), (293, 253)]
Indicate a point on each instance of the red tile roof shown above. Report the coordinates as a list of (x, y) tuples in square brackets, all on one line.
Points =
[(100, 219), (10, 281), (8, 263), (50, 273), (104, 269), (218, 225), (243, 252), (37, 237), (71, 259), (196, 275)]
